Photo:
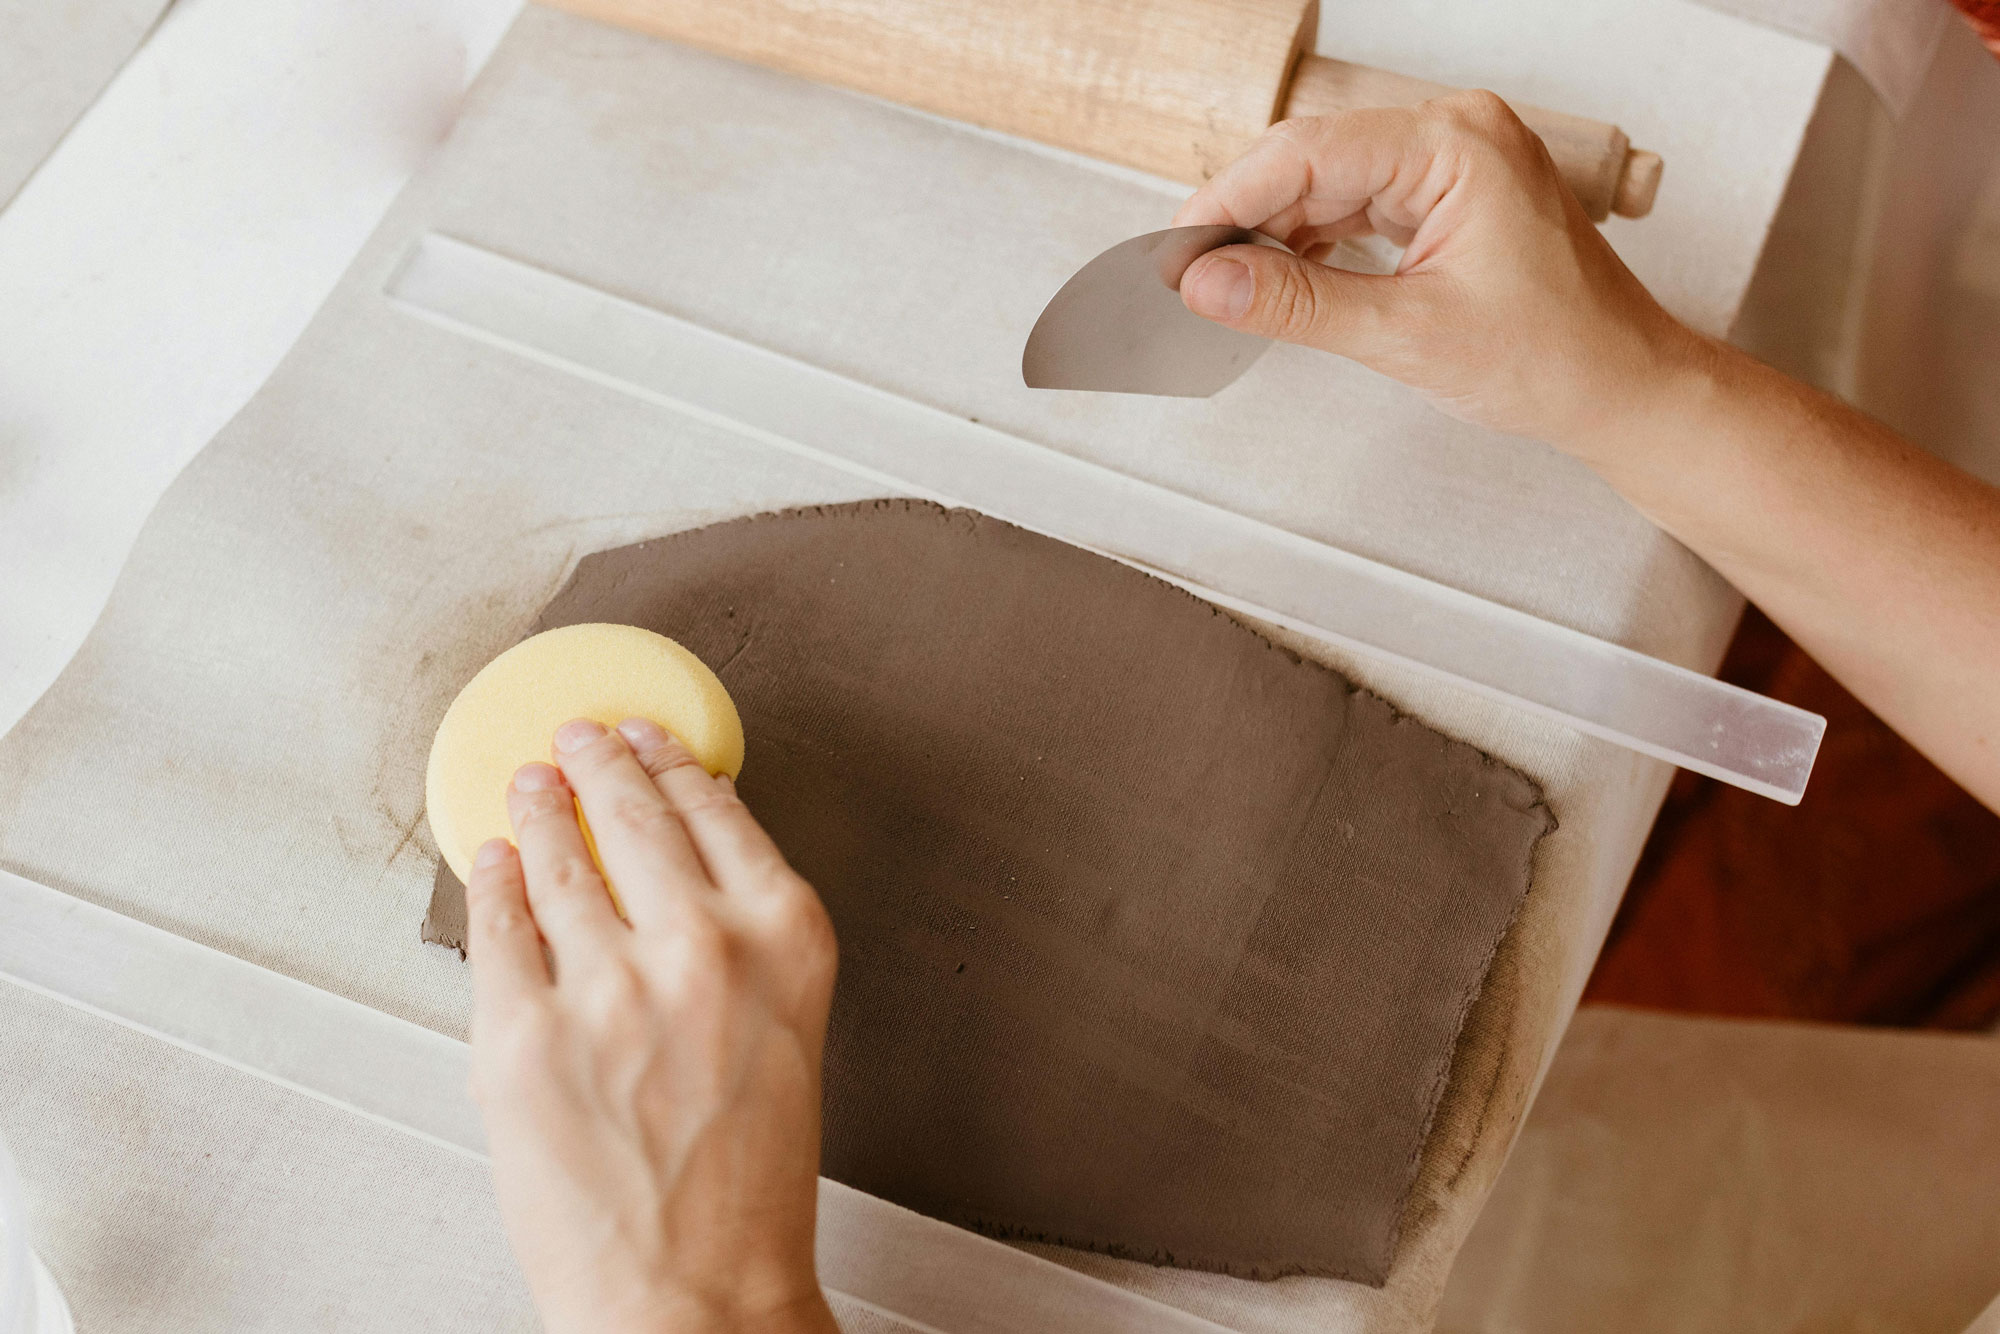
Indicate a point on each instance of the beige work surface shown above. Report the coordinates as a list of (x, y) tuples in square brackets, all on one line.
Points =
[(236, 753), (1683, 1175)]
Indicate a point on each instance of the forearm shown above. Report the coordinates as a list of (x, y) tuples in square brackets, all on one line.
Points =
[(1879, 560), (1510, 310)]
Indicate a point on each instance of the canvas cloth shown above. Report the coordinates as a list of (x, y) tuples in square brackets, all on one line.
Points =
[(1704, 1176), (55, 57), (236, 752), (1890, 41), (168, 1193)]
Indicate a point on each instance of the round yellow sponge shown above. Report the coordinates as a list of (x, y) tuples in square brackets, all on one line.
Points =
[(505, 716)]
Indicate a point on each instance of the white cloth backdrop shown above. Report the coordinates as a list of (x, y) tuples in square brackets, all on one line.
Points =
[(55, 58), (1890, 41)]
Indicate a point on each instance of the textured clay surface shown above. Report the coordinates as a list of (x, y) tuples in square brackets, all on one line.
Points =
[(1154, 939)]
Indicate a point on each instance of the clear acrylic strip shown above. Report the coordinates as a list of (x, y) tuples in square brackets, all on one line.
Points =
[(412, 1079), (1600, 688)]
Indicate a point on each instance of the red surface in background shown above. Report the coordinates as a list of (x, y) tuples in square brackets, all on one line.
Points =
[(1876, 900), (1984, 15)]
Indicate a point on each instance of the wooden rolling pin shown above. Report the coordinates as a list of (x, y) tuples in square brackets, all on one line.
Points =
[(1173, 87)]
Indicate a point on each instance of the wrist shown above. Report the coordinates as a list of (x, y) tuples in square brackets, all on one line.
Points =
[(807, 1313), (614, 1308), (1644, 402)]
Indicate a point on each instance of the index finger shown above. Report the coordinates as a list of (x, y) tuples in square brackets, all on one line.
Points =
[(501, 942)]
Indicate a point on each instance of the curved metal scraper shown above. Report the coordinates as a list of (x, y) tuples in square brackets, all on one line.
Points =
[(1118, 326)]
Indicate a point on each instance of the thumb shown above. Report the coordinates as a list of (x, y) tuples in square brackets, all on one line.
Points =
[(1266, 291)]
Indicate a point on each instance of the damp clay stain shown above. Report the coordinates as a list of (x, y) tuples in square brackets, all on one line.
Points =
[(1155, 939)]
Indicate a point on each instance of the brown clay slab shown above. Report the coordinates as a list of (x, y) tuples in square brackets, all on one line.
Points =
[(1154, 938)]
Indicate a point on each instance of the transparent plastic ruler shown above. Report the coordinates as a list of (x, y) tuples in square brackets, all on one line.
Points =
[(412, 1079), (1597, 687)]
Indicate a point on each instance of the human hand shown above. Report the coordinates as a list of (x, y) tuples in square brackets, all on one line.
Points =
[(1508, 308), (652, 1107)]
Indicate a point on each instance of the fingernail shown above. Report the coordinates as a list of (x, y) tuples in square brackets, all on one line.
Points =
[(642, 732), (1220, 289), (492, 852), (576, 734), (728, 783), (536, 778)]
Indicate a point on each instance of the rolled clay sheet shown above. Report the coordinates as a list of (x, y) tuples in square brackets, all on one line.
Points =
[(1156, 939)]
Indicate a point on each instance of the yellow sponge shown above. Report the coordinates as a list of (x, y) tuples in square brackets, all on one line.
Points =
[(505, 716)]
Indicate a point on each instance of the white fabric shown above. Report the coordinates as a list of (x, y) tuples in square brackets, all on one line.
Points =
[(1881, 279), (1684, 1175), (55, 57), (1549, 56), (168, 1192), (1890, 41), (159, 264), (171, 1193)]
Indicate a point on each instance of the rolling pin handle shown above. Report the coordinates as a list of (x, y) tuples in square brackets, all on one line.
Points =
[(1607, 173), (1637, 184)]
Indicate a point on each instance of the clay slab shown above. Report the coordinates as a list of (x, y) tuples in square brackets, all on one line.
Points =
[(1156, 940)]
